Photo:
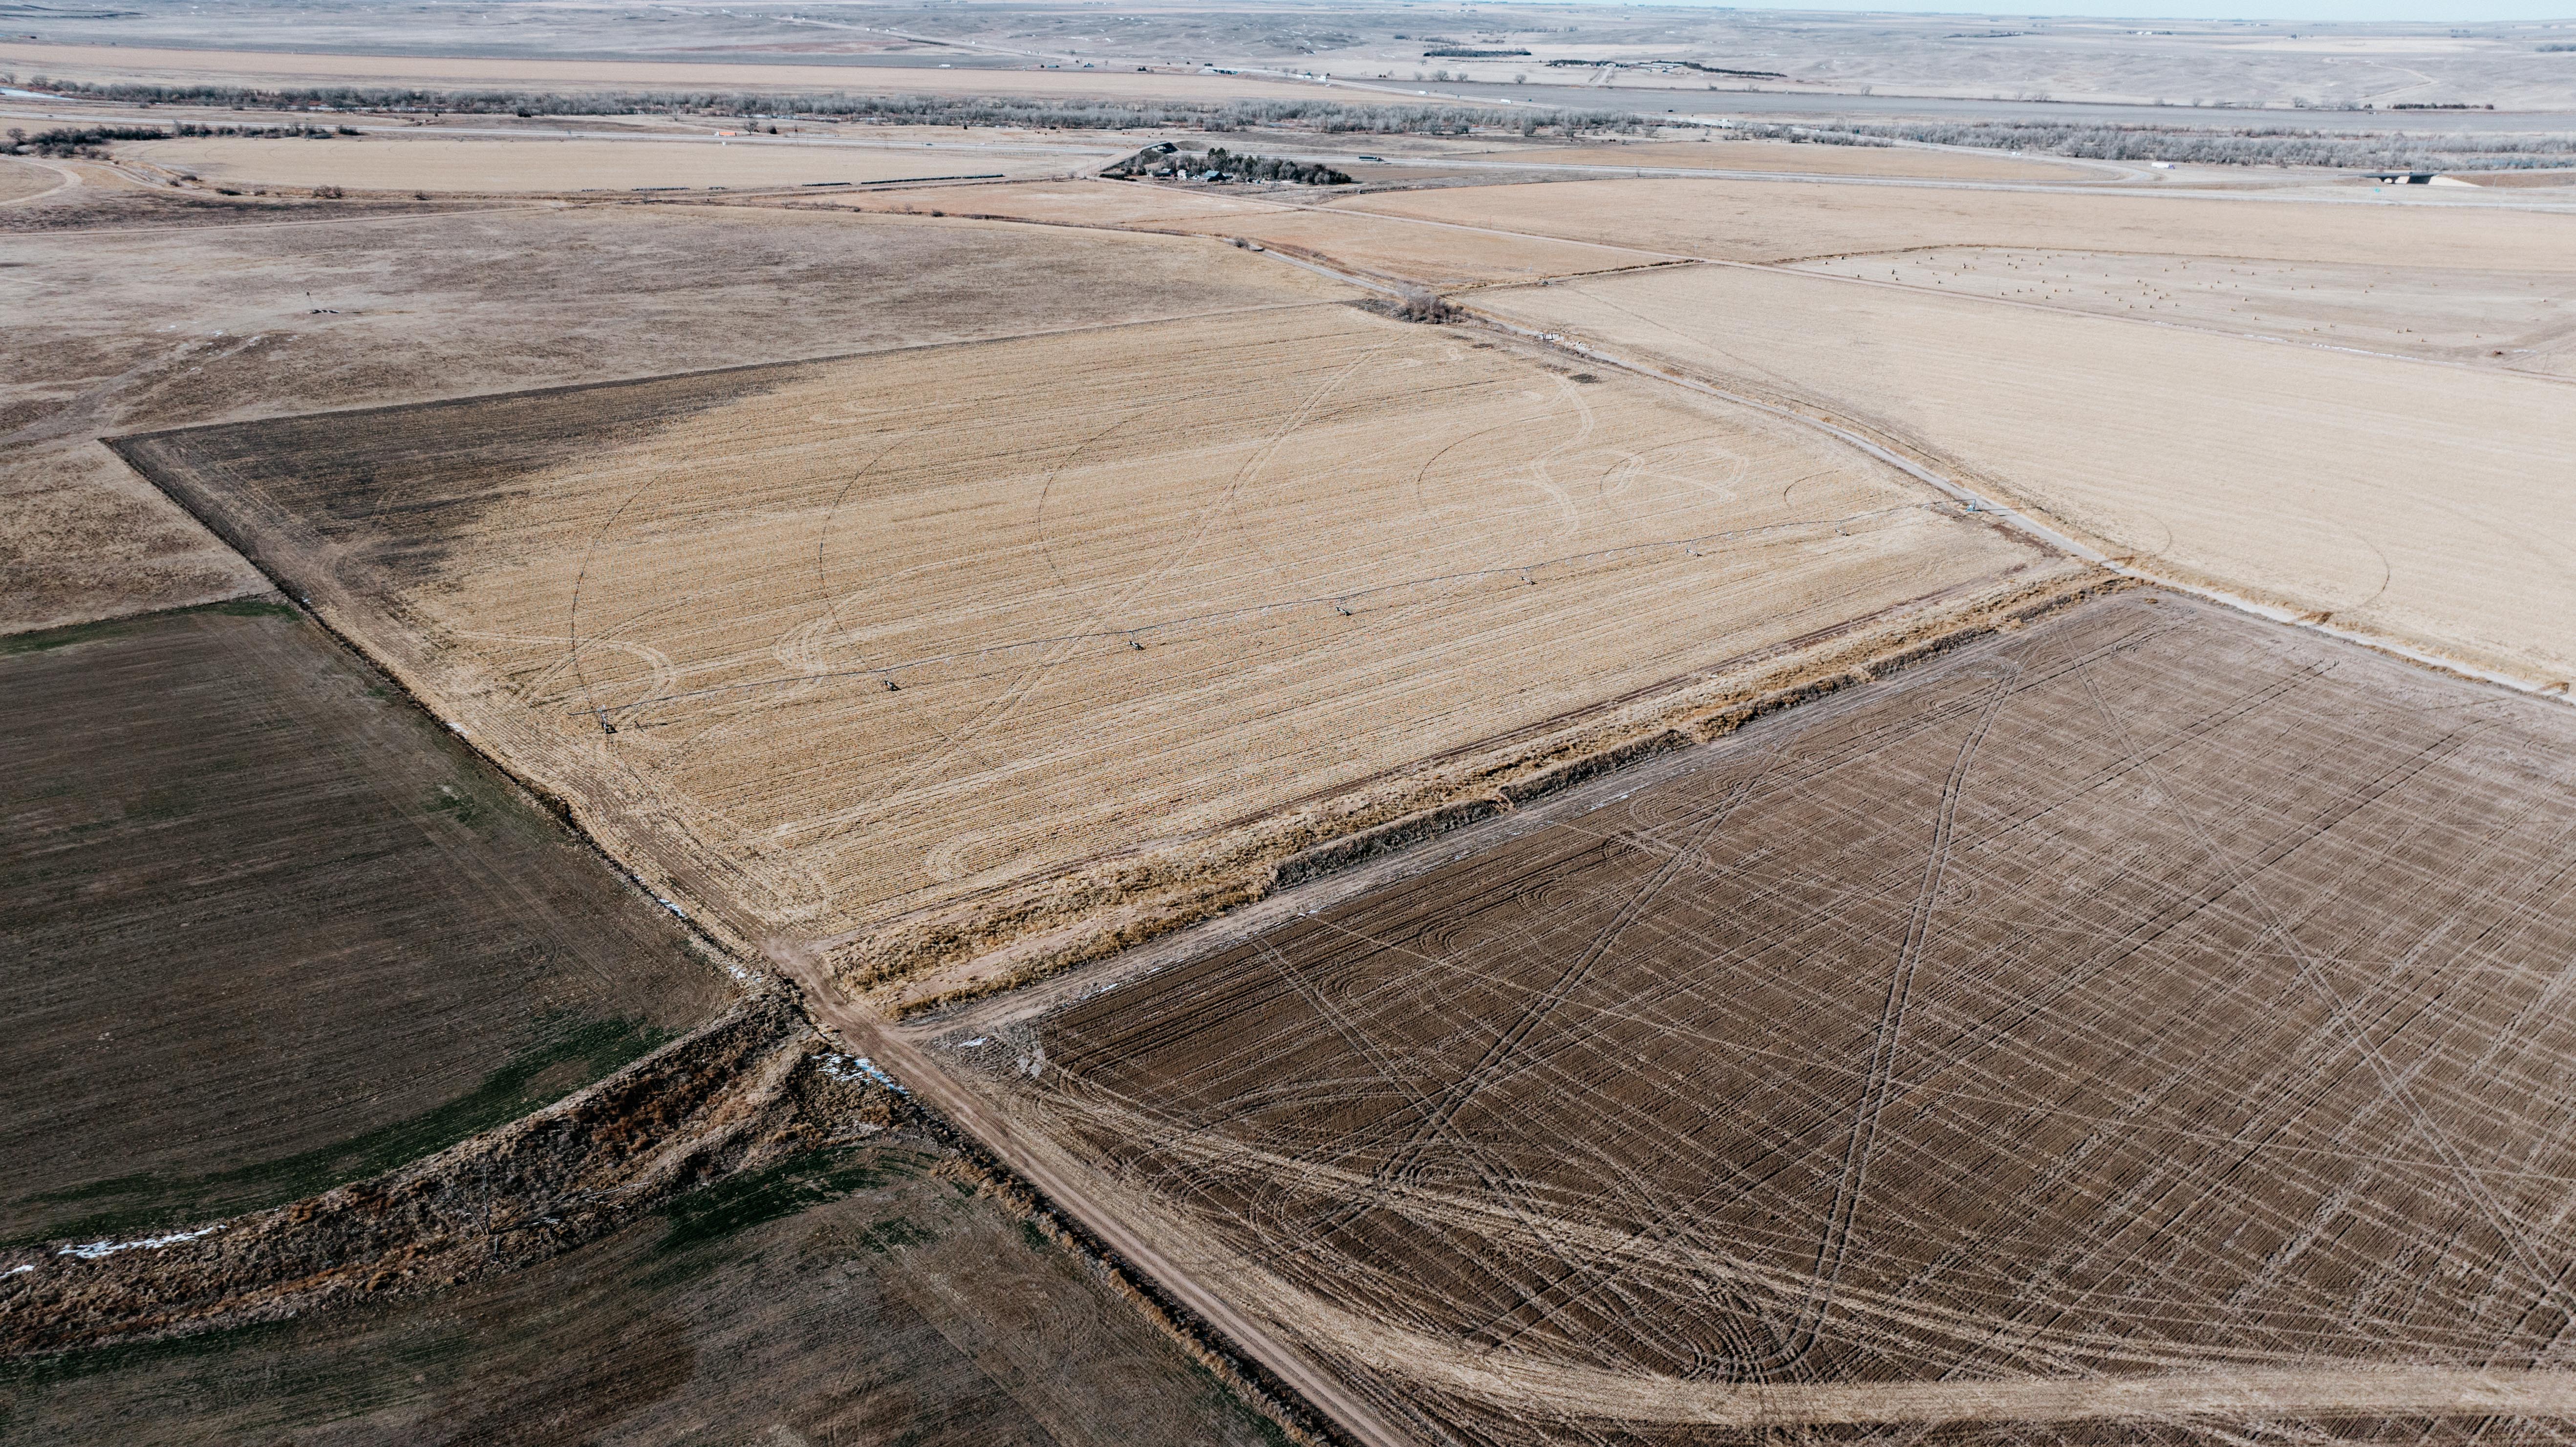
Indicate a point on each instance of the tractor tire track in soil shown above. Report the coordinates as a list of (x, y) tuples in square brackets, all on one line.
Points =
[(1587, 1131)]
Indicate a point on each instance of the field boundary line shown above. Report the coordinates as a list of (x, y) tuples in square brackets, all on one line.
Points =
[(2551, 690), (1790, 266), (116, 441), (984, 945), (844, 1020)]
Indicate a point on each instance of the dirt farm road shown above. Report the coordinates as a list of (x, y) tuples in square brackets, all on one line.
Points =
[(900, 1058)]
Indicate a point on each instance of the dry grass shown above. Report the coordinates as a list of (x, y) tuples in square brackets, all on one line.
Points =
[(891, 634), (22, 179), (164, 327), (1767, 221), (403, 163), (2417, 502)]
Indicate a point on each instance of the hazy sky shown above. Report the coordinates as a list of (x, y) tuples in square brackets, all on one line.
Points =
[(2456, 13)]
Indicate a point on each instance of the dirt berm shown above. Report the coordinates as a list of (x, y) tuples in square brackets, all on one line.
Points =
[(753, 1087)]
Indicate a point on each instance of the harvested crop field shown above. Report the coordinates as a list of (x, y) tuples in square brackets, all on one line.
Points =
[(2143, 1023), (160, 326), (642, 164), (269, 928), (821, 645), (1771, 221), (2419, 503), (1433, 256), (1072, 203), (852, 1296), (1391, 249), (2502, 319)]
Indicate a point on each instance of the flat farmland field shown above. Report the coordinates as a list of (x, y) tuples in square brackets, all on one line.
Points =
[(830, 646), (853, 1296), (458, 164), (1769, 222), (1392, 249), (2502, 319), (409, 308), (2141, 1024), (1402, 251), (1072, 203), (2423, 504), (269, 928), (1907, 162)]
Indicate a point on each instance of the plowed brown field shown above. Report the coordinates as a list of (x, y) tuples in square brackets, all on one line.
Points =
[(265, 929), (852, 1296), (818, 646), (2142, 1023)]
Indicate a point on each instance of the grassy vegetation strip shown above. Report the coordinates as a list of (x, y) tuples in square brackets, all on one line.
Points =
[(136, 1204), (913, 965), (44, 640), (746, 1091)]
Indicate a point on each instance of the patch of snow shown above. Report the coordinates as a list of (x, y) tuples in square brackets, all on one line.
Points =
[(98, 1250), (859, 1067)]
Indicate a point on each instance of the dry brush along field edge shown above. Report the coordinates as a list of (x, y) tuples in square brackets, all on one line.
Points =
[(754, 1093)]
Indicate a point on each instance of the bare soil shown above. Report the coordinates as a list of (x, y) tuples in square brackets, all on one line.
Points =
[(2140, 1018), (271, 928)]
